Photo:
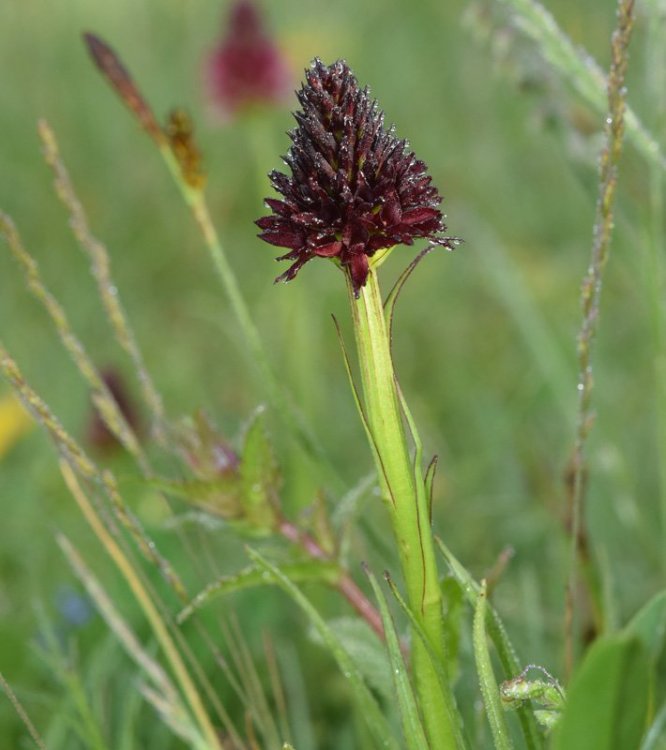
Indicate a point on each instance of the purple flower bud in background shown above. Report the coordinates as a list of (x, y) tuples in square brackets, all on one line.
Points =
[(354, 187), (247, 68)]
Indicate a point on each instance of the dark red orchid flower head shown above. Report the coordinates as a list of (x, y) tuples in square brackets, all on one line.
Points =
[(247, 68), (354, 188)]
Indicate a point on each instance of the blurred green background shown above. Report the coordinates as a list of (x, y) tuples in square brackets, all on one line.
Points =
[(485, 342)]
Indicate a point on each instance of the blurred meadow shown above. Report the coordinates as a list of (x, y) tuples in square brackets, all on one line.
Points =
[(484, 343)]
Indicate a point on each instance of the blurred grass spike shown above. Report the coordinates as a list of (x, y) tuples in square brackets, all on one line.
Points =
[(117, 624), (23, 716), (164, 696), (591, 289), (104, 401), (158, 623), (121, 82), (100, 265), (78, 462), (41, 413)]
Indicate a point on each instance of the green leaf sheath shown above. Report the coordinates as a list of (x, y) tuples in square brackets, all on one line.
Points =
[(404, 492)]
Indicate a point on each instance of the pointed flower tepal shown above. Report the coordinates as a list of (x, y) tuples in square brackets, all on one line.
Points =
[(354, 188)]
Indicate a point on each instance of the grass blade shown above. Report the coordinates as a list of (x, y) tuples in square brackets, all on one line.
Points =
[(412, 728), (253, 576), (498, 635), (148, 607), (489, 689), (376, 721), (581, 70)]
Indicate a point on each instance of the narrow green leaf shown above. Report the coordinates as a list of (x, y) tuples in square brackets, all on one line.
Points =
[(260, 475), (412, 728), (649, 625), (489, 689), (370, 710), (498, 635), (389, 303), (429, 482), (366, 650), (440, 666), (655, 737), (220, 496), (607, 702), (251, 577)]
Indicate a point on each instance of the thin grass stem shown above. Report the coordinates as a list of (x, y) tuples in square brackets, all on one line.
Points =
[(654, 241), (591, 296), (182, 160)]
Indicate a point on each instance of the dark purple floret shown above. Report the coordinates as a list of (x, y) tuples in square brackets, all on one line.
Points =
[(354, 187)]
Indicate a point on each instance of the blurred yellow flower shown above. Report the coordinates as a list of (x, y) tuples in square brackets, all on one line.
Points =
[(14, 422)]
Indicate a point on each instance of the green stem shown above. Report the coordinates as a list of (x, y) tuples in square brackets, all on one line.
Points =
[(275, 393), (403, 490)]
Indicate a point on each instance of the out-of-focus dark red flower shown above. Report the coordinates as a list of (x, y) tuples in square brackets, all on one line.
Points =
[(247, 68), (98, 434), (354, 187)]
